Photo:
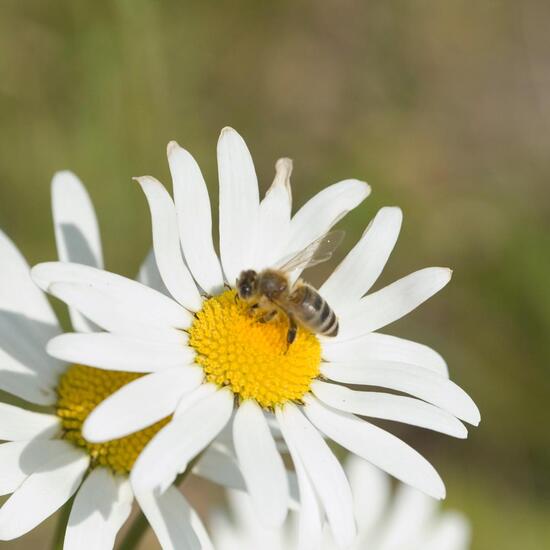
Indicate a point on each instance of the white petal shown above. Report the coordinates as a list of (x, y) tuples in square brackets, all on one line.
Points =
[(17, 424), (310, 527), (100, 508), (194, 219), (363, 265), (249, 533), (76, 230), (19, 295), (392, 302), (104, 310), (11, 472), (239, 202), (140, 403), (43, 492), (407, 519), (417, 381), (451, 532), (170, 517), (200, 531), (371, 489), (171, 449), (389, 407), (119, 352), (218, 465), (310, 519), (149, 275), (383, 347), (166, 243), (26, 384), (261, 464), (377, 446), (324, 470), (274, 218), (128, 299), (323, 211), (19, 459), (27, 322)]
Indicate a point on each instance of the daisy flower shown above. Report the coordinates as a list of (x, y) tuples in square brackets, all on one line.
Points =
[(45, 460), (212, 365), (404, 519)]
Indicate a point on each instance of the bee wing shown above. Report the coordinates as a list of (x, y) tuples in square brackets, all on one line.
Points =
[(318, 251)]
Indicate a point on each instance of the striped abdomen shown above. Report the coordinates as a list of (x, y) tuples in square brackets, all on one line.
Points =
[(312, 311)]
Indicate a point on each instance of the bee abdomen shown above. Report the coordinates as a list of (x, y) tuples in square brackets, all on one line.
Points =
[(329, 322), (314, 312)]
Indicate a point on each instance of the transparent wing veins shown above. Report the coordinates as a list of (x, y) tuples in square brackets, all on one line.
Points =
[(318, 251)]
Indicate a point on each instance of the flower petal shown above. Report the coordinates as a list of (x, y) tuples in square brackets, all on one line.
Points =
[(11, 472), (371, 489), (392, 302), (377, 446), (417, 381), (194, 219), (389, 407), (19, 295), (450, 532), (323, 211), (27, 322), (218, 465), (407, 520), (166, 244), (261, 464), (128, 299), (76, 230), (363, 265), (383, 347), (149, 275), (239, 202), (170, 450), (120, 352), (100, 508), (17, 424), (43, 492), (274, 218), (140, 403), (324, 470), (20, 459), (171, 518)]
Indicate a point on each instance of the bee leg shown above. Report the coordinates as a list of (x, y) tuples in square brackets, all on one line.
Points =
[(292, 330), (252, 309), (266, 317)]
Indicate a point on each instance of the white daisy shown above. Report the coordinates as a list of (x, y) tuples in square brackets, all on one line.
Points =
[(210, 360), (46, 460), (402, 520)]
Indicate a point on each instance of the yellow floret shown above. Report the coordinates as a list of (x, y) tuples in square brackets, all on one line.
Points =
[(80, 390), (250, 357)]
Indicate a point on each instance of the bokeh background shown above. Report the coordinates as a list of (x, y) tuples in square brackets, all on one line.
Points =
[(443, 107)]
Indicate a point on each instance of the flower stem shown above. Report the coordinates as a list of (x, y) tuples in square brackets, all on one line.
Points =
[(61, 526)]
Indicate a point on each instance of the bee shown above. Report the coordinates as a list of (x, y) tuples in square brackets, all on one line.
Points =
[(272, 290)]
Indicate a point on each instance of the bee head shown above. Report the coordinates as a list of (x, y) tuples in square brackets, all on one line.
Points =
[(247, 283)]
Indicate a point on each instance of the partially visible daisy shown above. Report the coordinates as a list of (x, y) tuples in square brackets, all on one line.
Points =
[(213, 365), (45, 460), (386, 520)]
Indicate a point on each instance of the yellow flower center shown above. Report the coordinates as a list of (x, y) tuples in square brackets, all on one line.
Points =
[(253, 358), (80, 390)]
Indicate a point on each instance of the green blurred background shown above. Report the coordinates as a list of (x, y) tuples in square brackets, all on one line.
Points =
[(443, 107)]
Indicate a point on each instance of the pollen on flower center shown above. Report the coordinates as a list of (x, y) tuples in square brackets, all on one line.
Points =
[(250, 357), (80, 390)]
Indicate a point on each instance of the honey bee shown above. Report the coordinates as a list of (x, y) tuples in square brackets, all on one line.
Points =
[(272, 292)]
